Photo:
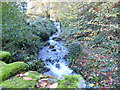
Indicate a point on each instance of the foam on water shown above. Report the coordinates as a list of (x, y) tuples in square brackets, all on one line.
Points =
[(55, 58)]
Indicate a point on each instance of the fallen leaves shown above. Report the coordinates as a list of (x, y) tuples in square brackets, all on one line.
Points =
[(45, 82), (41, 76), (27, 78), (22, 74), (26, 74), (91, 85), (55, 85)]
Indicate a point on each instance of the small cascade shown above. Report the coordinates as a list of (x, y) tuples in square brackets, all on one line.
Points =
[(55, 56)]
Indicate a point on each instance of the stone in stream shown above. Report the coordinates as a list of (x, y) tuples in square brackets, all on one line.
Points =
[(51, 46), (47, 44), (56, 38), (58, 65), (53, 50), (48, 60)]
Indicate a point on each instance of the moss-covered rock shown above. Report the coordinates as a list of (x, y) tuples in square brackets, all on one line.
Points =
[(11, 69), (2, 64), (4, 56), (71, 81), (19, 82)]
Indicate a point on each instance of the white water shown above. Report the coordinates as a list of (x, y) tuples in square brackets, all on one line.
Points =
[(55, 58)]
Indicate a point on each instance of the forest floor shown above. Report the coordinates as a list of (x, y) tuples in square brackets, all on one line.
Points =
[(99, 69)]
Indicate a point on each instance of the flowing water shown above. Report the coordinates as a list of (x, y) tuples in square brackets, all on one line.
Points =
[(54, 56)]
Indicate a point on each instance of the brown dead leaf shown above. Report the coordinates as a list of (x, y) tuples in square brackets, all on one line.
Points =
[(32, 71), (21, 75), (17, 75), (40, 81), (27, 78), (55, 85), (25, 74), (48, 85), (41, 76), (43, 84), (50, 76)]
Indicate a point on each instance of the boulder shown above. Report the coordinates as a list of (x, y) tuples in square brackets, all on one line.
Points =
[(31, 79), (2, 64), (4, 56), (20, 82), (47, 44), (71, 81), (11, 69), (51, 46), (56, 38)]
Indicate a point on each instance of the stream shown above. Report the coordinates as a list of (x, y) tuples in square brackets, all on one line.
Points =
[(54, 56)]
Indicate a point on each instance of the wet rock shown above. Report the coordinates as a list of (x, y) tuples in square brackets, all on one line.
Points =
[(46, 69), (57, 65), (72, 81), (53, 50), (56, 38), (65, 57), (51, 47), (47, 44), (48, 60)]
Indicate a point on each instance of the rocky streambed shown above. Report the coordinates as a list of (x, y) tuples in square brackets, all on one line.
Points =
[(54, 55)]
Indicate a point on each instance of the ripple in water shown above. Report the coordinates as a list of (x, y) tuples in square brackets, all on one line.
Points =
[(55, 58)]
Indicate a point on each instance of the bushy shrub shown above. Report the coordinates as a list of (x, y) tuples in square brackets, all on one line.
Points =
[(21, 38), (74, 50)]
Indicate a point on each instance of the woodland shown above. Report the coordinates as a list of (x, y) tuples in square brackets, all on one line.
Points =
[(89, 30)]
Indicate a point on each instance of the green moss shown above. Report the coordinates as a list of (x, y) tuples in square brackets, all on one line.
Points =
[(12, 69), (69, 81), (4, 56), (2, 64), (19, 82), (74, 51), (34, 75)]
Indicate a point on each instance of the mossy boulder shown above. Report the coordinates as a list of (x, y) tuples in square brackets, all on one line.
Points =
[(4, 56), (71, 81), (11, 69), (19, 82), (2, 64)]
